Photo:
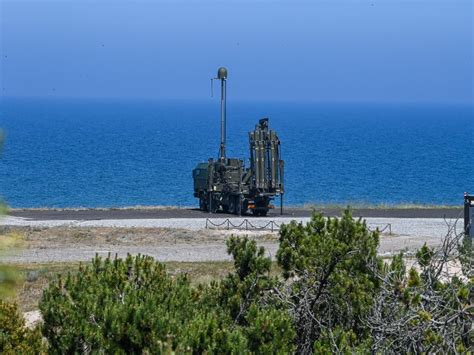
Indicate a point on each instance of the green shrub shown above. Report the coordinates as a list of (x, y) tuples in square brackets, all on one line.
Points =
[(134, 306), (333, 295), (115, 305), (251, 278), (331, 265), (15, 338)]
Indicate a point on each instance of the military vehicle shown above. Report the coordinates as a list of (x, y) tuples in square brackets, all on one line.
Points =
[(227, 185)]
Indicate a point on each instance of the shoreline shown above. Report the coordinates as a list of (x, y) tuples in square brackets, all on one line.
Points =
[(309, 205)]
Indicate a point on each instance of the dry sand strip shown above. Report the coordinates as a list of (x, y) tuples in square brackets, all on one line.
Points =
[(183, 239)]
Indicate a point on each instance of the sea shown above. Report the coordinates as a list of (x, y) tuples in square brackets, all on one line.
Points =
[(60, 152)]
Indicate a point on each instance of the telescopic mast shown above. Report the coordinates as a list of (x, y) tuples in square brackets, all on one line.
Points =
[(222, 76)]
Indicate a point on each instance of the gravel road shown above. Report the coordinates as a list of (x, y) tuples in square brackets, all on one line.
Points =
[(181, 239)]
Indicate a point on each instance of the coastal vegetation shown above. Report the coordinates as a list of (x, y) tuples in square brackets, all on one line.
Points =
[(328, 292), (15, 337)]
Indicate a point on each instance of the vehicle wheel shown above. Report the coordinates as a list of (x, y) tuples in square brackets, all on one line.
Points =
[(232, 205), (263, 213), (256, 213), (202, 204), (213, 204), (238, 206)]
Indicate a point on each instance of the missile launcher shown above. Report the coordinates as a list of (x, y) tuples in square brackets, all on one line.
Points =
[(227, 185)]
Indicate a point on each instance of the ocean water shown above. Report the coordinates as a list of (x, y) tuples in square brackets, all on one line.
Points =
[(111, 153)]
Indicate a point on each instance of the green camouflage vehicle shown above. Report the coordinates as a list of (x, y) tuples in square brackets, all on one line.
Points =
[(226, 185)]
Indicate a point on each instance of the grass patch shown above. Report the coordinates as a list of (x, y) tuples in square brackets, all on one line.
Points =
[(3, 208), (34, 278)]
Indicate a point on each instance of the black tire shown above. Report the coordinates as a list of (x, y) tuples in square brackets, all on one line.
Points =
[(256, 213), (238, 206), (213, 204), (232, 205), (202, 204)]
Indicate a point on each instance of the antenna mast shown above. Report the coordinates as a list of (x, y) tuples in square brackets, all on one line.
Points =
[(222, 76)]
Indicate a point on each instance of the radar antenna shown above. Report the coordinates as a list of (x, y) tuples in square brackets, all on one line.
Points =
[(222, 76)]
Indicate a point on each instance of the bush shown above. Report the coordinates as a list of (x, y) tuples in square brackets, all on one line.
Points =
[(15, 338), (115, 305), (330, 264), (333, 295), (134, 306)]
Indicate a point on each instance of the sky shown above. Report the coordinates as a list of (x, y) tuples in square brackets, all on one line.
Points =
[(319, 50)]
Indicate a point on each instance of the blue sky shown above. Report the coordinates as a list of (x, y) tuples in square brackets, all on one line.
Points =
[(380, 51)]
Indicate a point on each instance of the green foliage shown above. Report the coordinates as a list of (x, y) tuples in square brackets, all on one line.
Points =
[(248, 259), (15, 338), (414, 279), (269, 331), (251, 278), (134, 306), (397, 268), (10, 278), (3, 208), (424, 255), (117, 304), (426, 310), (343, 342), (334, 262), (333, 295)]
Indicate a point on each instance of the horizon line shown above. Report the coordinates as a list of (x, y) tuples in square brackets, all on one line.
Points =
[(237, 100)]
